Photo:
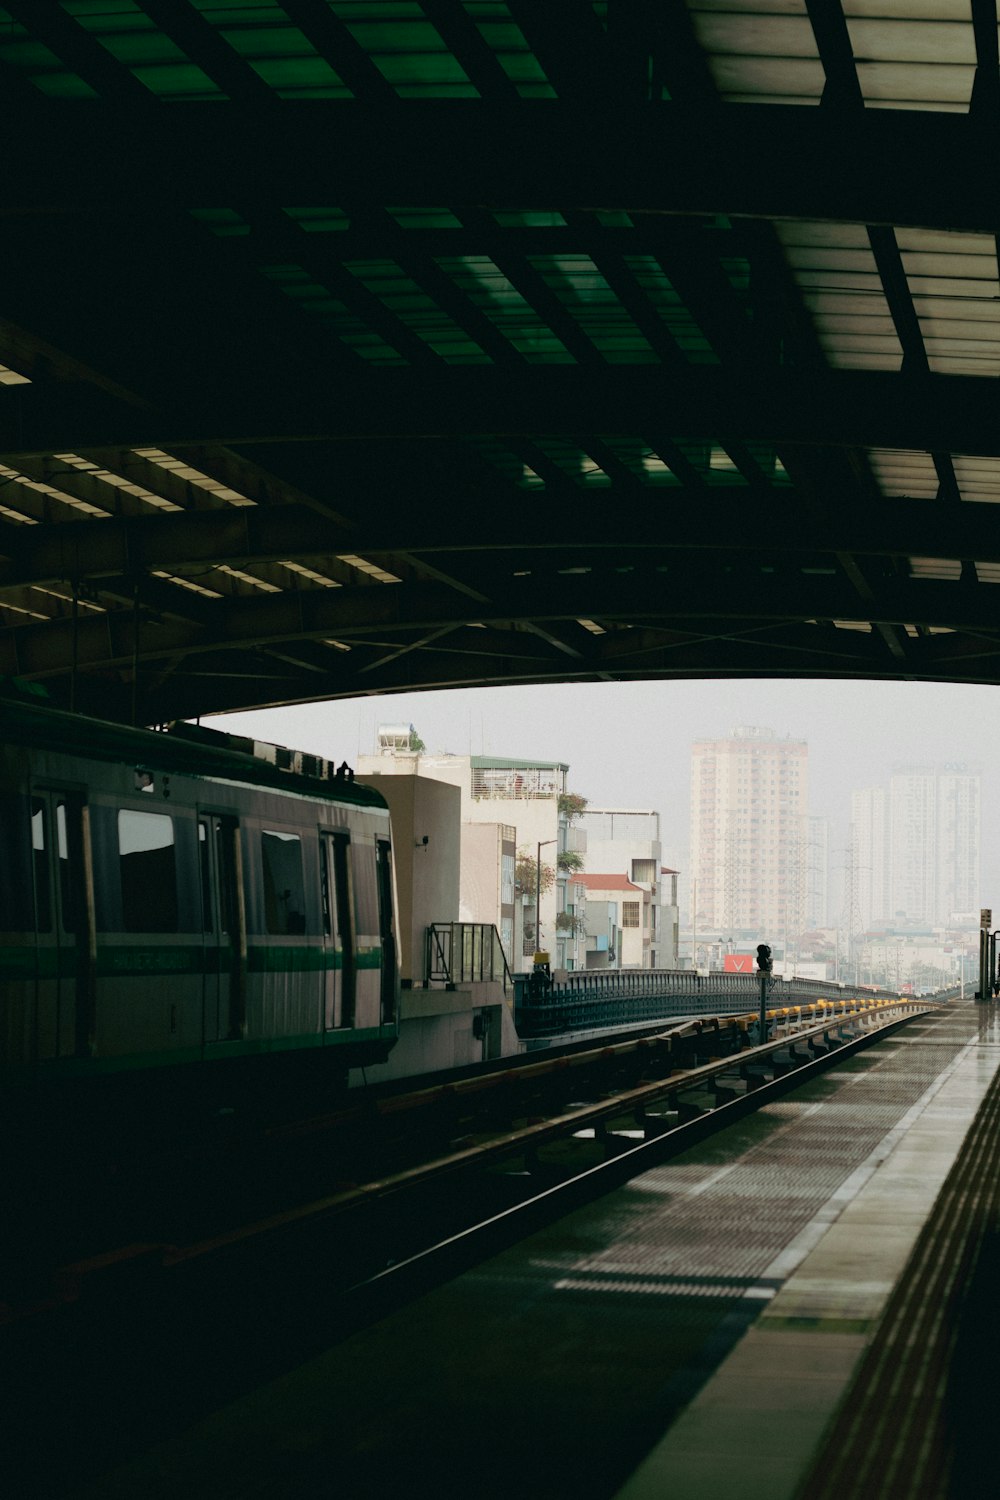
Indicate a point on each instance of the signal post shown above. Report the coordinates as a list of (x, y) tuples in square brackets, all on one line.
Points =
[(764, 966)]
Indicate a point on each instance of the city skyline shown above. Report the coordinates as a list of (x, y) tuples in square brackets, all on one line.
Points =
[(629, 743)]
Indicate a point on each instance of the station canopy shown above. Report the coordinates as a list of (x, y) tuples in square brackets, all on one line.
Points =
[(354, 348)]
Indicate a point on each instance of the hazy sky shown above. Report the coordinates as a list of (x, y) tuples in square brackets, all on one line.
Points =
[(629, 744)]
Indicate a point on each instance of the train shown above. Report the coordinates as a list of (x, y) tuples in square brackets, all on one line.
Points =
[(182, 902)]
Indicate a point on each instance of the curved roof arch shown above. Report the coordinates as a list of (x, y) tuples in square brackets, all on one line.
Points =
[(353, 348)]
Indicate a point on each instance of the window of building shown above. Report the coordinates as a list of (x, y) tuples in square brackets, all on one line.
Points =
[(147, 862), (284, 894), (507, 879), (630, 913)]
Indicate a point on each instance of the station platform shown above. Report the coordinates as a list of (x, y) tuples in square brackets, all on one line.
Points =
[(799, 1306)]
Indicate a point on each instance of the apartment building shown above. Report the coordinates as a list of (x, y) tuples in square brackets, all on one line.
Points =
[(749, 834)]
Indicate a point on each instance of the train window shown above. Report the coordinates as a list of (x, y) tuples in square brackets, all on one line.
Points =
[(365, 890), (40, 857), (206, 878), (284, 892), (147, 860), (67, 898), (325, 878), (226, 841)]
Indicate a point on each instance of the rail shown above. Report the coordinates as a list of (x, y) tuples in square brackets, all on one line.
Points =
[(465, 952)]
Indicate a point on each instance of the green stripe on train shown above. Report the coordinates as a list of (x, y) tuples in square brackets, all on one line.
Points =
[(48, 962)]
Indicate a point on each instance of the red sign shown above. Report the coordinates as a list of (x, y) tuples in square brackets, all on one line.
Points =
[(738, 963)]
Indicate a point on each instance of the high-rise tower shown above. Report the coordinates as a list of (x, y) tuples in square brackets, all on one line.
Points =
[(918, 845), (749, 806)]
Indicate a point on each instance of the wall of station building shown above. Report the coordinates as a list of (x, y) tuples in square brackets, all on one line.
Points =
[(427, 846)]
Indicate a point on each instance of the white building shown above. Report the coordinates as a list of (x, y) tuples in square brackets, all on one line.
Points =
[(914, 850), (866, 882), (443, 1025), (959, 838), (511, 817), (817, 872), (749, 834), (618, 921), (626, 841)]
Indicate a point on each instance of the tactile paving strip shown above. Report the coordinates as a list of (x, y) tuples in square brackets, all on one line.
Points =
[(920, 1416)]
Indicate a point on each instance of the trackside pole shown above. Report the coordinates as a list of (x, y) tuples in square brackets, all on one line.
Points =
[(764, 964), (985, 990)]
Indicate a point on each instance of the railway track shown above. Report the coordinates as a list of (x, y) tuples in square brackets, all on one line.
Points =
[(167, 1330), (388, 1176)]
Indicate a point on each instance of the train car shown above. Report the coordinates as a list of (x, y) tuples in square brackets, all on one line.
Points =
[(183, 902)]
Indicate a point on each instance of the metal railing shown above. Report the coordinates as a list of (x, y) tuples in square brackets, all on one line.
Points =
[(465, 952), (624, 997)]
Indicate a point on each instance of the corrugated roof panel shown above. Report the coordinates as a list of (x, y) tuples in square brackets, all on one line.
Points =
[(331, 312), (912, 56), (946, 569), (853, 321), (135, 41), (406, 48), (20, 52), (12, 377), (903, 472), (586, 295), (978, 478), (679, 321), (761, 51), (499, 31), (407, 301), (956, 295), (488, 288)]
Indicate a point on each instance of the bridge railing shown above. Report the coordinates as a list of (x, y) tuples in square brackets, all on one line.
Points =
[(620, 997)]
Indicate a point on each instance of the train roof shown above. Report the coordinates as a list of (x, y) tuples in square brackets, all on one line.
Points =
[(187, 749)]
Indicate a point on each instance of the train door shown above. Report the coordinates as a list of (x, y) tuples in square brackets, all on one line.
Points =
[(64, 916), (387, 931), (340, 984), (224, 926)]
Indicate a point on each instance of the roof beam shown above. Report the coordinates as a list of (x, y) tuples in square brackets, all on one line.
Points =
[(836, 54), (985, 101), (351, 614), (835, 408), (206, 686), (758, 160)]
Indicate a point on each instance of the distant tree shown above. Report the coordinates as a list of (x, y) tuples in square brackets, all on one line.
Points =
[(571, 805), (570, 861), (416, 743), (526, 873), (567, 922)]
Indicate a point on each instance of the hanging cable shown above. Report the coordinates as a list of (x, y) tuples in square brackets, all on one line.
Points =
[(76, 645), (135, 652)]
